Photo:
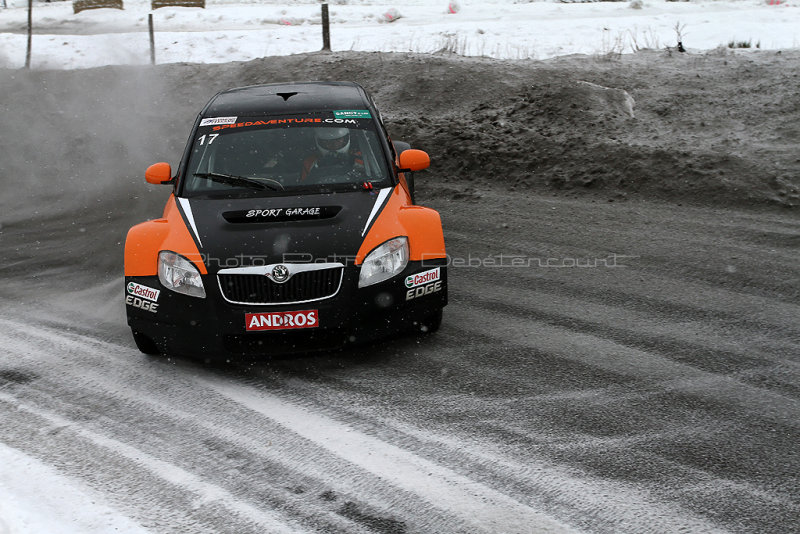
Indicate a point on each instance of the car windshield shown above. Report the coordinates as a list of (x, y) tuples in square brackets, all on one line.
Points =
[(257, 156)]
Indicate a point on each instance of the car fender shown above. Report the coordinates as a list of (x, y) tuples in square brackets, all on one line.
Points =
[(421, 225), (424, 230), (146, 240)]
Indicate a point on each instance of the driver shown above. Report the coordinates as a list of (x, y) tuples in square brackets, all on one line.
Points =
[(333, 150)]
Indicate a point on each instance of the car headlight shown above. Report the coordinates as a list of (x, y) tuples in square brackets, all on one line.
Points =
[(178, 274), (384, 262)]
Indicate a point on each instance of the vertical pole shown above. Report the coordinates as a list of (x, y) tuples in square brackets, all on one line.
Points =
[(30, 34), (326, 28), (152, 40)]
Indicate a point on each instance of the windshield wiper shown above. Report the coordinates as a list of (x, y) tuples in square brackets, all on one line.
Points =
[(325, 188), (231, 179)]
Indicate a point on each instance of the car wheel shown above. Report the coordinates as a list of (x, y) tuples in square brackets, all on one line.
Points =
[(431, 323), (144, 343)]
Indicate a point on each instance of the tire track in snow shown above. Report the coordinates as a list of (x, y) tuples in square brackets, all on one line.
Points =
[(606, 354), (232, 427), (563, 492), (206, 492), (63, 396), (469, 501), (487, 509), (570, 489), (653, 323), (35, 497)]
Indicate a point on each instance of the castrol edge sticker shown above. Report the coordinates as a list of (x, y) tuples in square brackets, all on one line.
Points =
[(281, 320), (143, 291), (418, 279)]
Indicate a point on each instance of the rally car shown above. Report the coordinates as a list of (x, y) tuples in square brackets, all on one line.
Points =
[(291, 226)]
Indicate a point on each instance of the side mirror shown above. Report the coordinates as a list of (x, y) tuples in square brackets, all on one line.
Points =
[(413, 160), (400, 146), (158, 173)]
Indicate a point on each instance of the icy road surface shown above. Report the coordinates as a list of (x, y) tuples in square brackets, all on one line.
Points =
[(545, 404), (654, 389)]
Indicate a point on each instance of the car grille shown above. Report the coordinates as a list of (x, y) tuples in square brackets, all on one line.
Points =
[(301, 287)]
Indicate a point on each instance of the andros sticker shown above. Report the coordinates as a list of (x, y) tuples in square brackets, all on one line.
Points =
[(281, 320), (211, 121), (418, 279), (143, 291)]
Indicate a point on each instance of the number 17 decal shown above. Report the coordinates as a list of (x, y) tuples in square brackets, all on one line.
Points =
[(211, 138)]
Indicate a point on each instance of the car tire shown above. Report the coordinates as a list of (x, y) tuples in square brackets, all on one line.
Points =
[(431, 323), (145, 344)]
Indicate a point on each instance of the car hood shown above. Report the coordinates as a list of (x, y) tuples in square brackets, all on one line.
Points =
[(292, 229)]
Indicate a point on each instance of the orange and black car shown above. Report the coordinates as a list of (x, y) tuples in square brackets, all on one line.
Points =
[(291, 226)]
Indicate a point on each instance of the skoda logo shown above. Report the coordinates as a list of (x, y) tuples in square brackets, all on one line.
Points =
[(280, 273)]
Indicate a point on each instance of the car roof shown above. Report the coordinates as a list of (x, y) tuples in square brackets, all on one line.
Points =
[(287, 98)]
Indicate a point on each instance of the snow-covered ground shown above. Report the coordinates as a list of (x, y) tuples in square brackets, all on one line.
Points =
[(226, 31), (36, 498)]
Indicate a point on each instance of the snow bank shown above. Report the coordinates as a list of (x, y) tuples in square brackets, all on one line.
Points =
[(239, 31)]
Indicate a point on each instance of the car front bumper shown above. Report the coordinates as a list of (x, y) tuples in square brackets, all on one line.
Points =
[(211, 326)]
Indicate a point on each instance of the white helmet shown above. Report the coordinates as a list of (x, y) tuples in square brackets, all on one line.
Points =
[(332, 141)]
